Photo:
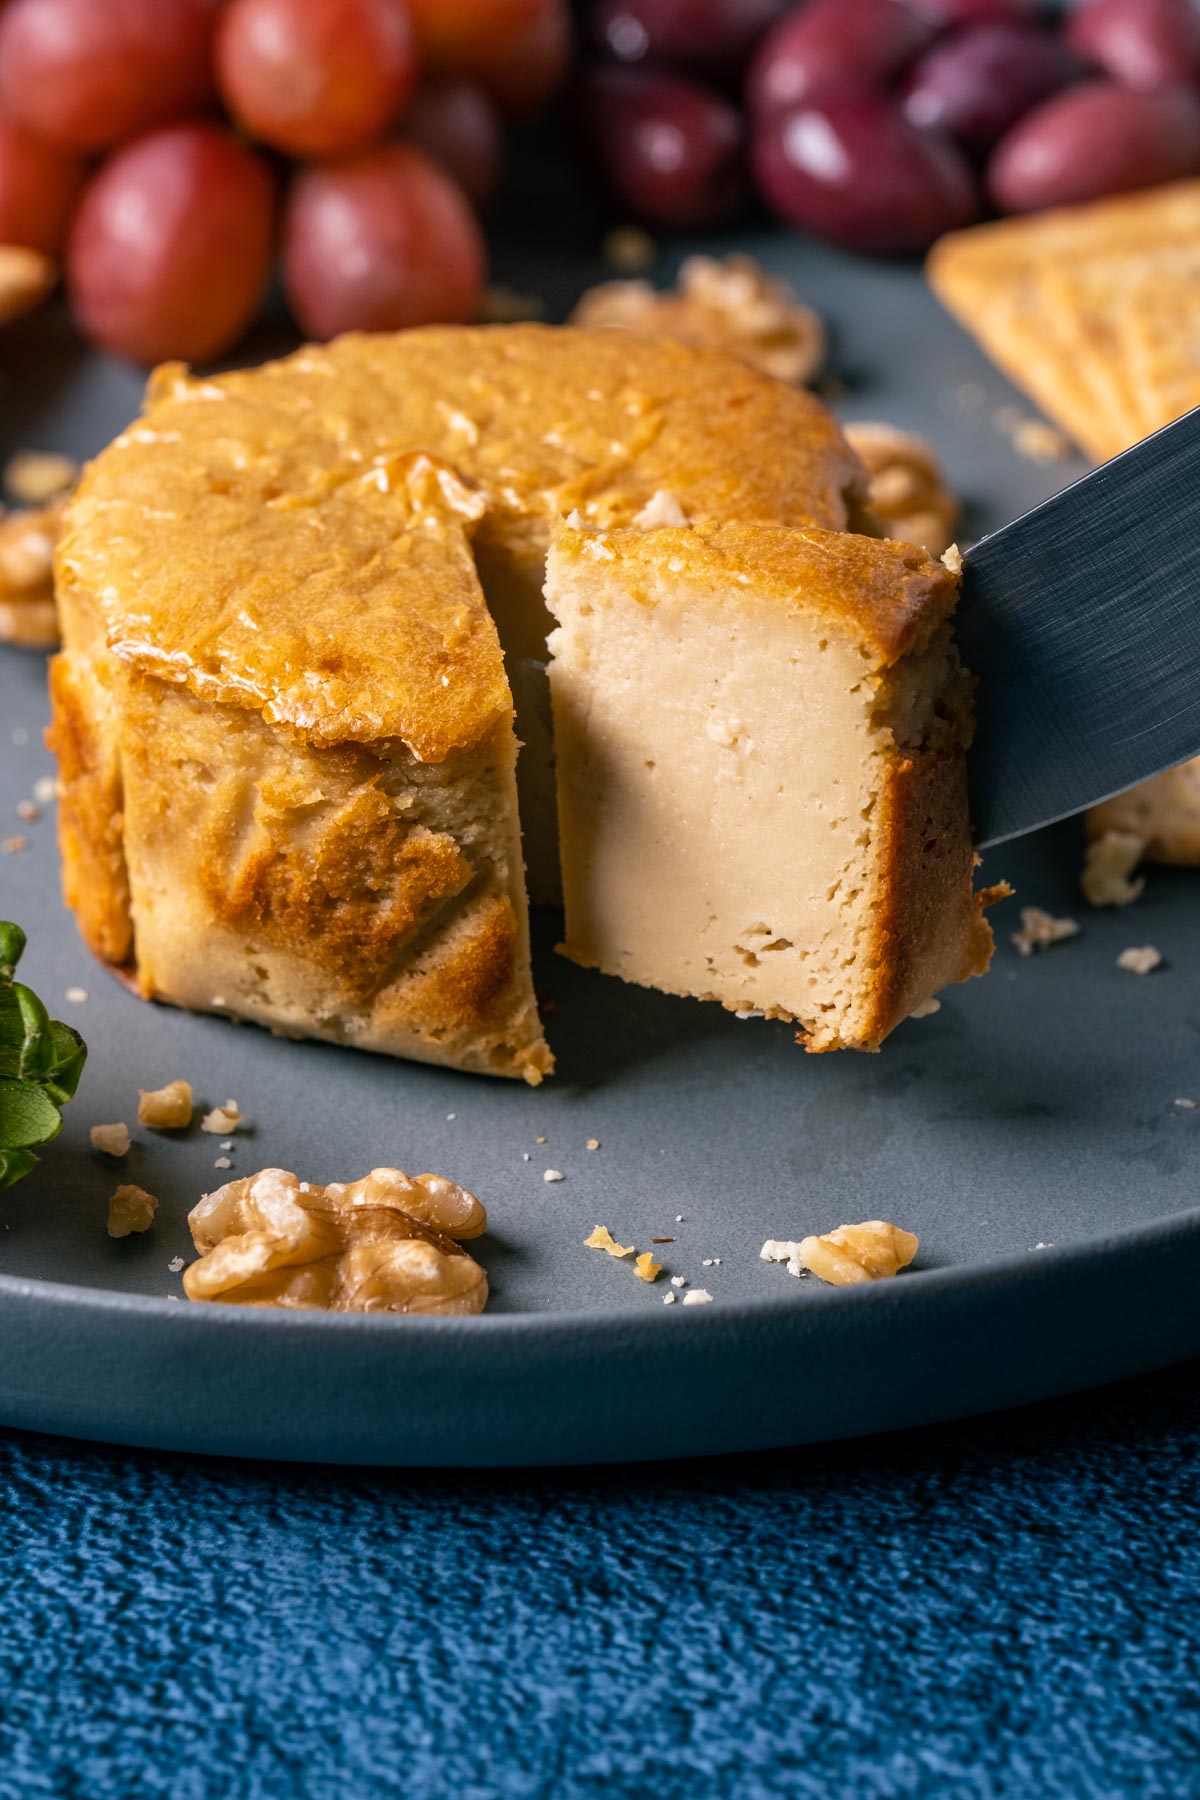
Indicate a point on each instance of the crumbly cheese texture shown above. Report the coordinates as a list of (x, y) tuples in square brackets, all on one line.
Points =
[(761, 738), (297, 603)]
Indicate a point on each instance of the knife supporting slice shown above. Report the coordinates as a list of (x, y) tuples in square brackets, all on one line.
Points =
[(1081, 621)]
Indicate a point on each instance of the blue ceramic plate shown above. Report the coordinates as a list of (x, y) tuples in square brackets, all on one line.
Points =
[(1028, 1132)]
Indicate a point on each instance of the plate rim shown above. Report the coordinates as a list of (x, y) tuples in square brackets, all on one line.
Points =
[(1009, 1265)]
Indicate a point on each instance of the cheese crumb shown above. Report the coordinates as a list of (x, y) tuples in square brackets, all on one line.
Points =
[(166, 1108), (697, 1297), (553, 1175), (603, 1239), (130, 1209), (222, 1119), (175, 1264), (1139, 959), (1038, 929), (112, 1139), (593, 1143), (647, 1268), (76, 995), (1108, 865), (679, 1281), (662, 508), (668, 1299)]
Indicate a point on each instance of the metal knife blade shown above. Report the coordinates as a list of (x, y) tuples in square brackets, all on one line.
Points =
[(1081, 621)]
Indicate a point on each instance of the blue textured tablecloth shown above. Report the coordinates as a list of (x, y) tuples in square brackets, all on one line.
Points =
[(1004, 1607)]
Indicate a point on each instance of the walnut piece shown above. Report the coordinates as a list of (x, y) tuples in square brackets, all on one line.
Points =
[(166, 1108), (112, 1139), (1140, 959), (1040, 929), (26, 277), (908, 490), (130, 1209), (35, 477), (1108, 866), (630, 249), (868, 1252), (603, 1239), (721, 303), (386, 1243), (27, 611), (222, 1119)]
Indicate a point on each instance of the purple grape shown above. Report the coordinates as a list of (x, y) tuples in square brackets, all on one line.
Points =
[(1143, 43), (977, 12), (983, 79), (668, 149), (1098, 138), (834, 46), (703, 34), (852, 168)]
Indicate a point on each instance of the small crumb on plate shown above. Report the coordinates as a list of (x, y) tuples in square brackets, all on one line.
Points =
[(112, 1139)]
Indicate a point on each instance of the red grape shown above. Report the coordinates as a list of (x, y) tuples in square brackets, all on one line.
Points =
[(378, 242), (170, 246), (38, 185), (668, 150), (315, 77), (516, 49), (456, 122), (982, 80), (1095, 139), (1144, 43), (834, 46), (88, 73), (851, 168), (707, 34)]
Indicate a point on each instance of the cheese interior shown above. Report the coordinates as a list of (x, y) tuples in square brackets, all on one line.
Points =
[(724, 757)]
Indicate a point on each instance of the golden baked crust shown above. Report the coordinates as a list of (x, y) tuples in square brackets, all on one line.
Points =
[(243, 532), (282, 711)]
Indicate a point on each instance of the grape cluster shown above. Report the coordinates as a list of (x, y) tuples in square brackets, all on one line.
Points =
[(167, 150), (880, 124)]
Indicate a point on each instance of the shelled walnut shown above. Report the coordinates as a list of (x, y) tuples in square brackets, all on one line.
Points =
[(728, 303), (871, 1251), (908, 493), (28, 614), (382, 1244)]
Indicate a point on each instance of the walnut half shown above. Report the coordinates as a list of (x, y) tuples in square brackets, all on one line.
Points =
[(382, 1244)]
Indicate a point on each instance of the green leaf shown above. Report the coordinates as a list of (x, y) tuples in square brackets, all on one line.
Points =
[(27, 1114), (12, 945), (14, 1164), (37, 1049), (41, 1061), (68, 1057)]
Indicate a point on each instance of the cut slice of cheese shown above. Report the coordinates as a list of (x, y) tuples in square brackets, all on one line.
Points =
[(760, 734)]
